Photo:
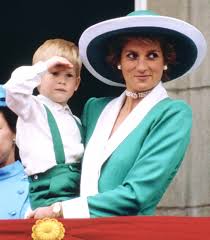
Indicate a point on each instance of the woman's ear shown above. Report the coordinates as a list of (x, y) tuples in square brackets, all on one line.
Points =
[(119, 67), (13, 138), (165, 67)]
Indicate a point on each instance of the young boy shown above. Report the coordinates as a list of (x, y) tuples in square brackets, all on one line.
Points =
[(49, 136)]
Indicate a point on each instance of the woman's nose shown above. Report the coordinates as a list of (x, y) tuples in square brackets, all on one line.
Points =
[(141, 65)]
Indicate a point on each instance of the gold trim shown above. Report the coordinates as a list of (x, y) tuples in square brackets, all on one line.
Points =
[(48, 229)]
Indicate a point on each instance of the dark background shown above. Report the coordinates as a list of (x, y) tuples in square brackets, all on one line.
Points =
[(26, 24)]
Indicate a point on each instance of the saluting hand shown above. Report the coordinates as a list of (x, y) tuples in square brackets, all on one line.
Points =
[(57, 63)]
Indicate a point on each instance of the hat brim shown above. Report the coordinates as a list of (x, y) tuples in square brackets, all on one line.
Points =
[(188, 41)]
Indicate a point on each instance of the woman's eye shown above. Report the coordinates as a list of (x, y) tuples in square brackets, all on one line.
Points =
[(152, 55), (132, 55)]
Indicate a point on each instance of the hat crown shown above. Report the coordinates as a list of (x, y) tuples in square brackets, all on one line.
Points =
[(2, 97), (143, 13)]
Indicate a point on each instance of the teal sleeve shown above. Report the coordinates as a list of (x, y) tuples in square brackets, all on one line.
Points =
[(157, 163)]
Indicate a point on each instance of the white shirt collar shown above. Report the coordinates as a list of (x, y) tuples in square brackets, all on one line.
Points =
[(50, 103)]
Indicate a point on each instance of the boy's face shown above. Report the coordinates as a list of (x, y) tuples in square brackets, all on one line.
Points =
[(59, 86)]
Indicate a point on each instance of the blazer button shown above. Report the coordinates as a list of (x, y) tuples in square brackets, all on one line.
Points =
[(24, 177), (12, 213), (21, 191)]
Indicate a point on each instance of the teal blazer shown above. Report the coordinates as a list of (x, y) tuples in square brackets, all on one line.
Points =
[(139, 170)]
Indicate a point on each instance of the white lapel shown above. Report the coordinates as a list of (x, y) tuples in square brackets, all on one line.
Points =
[(94, 150), (100, 147), (135, 118)]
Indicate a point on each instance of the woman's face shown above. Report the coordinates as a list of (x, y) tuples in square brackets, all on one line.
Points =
[(7, 146), (142, 64)]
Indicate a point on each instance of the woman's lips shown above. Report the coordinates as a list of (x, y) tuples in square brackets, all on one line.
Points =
[(142, 77)]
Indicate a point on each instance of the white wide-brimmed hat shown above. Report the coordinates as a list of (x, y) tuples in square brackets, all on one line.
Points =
[(189, 43)]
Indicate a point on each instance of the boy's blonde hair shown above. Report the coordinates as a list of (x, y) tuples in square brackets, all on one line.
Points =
[(61, 48)]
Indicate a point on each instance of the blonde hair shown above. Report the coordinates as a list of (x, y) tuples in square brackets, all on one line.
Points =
[(61, 48)]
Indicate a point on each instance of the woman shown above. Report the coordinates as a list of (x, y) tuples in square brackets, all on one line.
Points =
[(134, 143), (13, 181)]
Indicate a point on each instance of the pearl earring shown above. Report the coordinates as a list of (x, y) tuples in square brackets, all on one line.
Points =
[(13, 141), (119, 67), (165, 67)]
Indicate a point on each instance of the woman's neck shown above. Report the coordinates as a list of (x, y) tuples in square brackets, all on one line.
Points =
[(126, 109), (130, 104), (10, 159)]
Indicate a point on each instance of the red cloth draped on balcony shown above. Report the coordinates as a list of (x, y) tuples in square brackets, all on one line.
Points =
[(144, 228)]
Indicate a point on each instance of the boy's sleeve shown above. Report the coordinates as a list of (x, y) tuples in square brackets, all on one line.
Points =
[(20, 87)]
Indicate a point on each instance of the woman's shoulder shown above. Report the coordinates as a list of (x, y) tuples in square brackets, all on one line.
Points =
[(174, 105), (168, 109), (94, 106), (98, 101)]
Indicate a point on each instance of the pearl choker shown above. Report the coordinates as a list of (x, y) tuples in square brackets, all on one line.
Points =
[(136, 95)]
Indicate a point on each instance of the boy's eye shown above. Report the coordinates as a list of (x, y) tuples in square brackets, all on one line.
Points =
[(69, 75), (54, 73)]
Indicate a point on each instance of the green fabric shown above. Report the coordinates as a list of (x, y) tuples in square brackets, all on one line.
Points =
[(56, 137), (59, 183), (138, 172), (143, 13)]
